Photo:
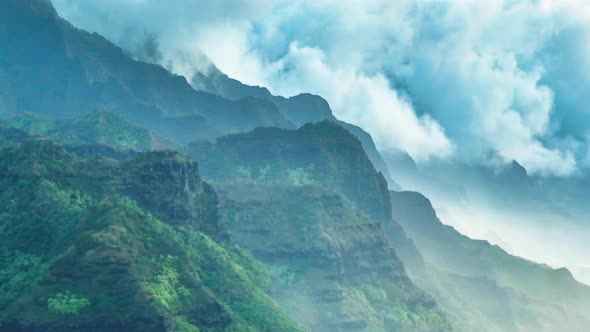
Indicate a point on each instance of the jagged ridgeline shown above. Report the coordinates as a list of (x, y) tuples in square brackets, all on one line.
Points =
[(323, 153), (54, 70), (133, 245)]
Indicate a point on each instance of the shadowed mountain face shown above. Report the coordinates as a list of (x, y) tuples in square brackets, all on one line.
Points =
[(54, 69), (482, 286), (322, 153)]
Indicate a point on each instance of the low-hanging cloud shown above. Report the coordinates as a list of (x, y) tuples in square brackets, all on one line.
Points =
[(484, 81)]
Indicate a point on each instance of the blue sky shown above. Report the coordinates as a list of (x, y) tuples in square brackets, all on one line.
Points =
[(477, 81)]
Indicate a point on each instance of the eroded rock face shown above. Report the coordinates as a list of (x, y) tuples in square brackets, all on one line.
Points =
[(332, 265), (171, 185), (325, 152), (166, 184)]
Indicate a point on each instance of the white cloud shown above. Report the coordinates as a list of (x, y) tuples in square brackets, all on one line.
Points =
[(366, 100), (500, 79)]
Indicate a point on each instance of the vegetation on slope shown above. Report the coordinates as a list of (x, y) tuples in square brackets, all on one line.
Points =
[(332, 267), (78, 253), (322, 153), (98, 127), (300, 109), (308, 203)]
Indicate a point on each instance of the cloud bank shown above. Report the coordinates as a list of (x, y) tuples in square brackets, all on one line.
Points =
[(480, 81)]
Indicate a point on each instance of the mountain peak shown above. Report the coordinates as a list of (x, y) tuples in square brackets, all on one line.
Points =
[(518, 169)]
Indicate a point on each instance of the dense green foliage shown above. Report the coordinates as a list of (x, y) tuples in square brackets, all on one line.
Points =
[(78, 254), (67, 304), (97, 127)]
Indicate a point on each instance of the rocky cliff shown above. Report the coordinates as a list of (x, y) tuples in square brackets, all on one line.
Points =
[(332, 266)]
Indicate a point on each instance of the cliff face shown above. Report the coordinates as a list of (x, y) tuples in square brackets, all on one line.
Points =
[(332, 267), (310, 204), (169, 185), (165, 183), (322, 153)]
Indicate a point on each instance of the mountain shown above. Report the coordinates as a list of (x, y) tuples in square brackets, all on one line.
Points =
[(216, 82), (482, 286), (55, 70), (147, 220), (300, 109), (322, 153), (100, 245), (528, 215), (287, 223), (312, 195), (86, 72)]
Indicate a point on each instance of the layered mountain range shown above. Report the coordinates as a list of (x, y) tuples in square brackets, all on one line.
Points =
[(133, 200)]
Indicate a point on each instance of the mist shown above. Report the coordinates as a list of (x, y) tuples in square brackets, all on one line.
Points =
[(457, 80), (509, 209)]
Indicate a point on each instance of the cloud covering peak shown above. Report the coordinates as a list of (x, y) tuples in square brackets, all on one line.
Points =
[(482, 81)]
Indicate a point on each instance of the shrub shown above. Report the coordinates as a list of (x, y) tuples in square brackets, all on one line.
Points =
[(299, 177), (67, 304)]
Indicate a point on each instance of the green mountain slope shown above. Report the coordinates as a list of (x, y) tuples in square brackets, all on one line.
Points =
[(97, 127), (100, 245)]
